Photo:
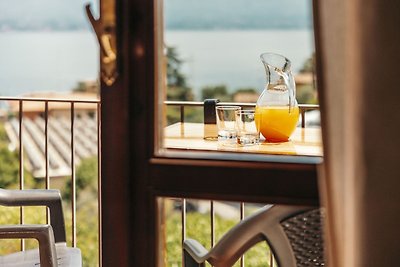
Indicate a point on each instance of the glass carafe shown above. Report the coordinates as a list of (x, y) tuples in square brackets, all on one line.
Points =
[(277, 107)]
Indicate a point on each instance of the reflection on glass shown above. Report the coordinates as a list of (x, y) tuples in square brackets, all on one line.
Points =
[(212, 50), (214, 45)]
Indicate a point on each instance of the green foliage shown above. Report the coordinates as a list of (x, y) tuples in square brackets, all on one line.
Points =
[(86, 177), (87, 87), (174, 74), (9, 167), (309, 65), (218, 91), (86, 173), (306, 94), (10, 215), (87, 230), (178, 89), (87, 215), (87, 210), (178, 93), (192, 114)]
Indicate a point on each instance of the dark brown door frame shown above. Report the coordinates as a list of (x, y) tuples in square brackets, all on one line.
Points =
[(132, 176)]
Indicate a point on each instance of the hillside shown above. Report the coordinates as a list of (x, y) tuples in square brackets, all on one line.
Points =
[(238, 14), (59, 15), (43, 14)]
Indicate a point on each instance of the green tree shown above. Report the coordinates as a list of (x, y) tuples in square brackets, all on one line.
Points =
[(309, 64), (9, 167), (178, 89), (306, 93), (176, 80), (216, 91), (87, 87), (86, 177)]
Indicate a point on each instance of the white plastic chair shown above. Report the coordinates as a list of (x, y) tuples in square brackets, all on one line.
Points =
[(53, 250)]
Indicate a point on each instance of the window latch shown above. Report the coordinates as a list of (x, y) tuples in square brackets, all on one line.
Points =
[(104, 27)]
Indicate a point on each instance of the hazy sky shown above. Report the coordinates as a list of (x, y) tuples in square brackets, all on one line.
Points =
[(42, 14)]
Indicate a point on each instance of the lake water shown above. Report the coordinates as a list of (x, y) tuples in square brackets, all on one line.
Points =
[(56, 61), (233, 57), (46, 61)]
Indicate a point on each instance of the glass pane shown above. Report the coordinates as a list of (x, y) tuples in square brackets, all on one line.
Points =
[(50, 52), (212, 51)]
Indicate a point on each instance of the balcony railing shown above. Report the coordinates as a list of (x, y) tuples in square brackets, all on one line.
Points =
[(183, 104), (56, 126), (268, 255), (52, 136)]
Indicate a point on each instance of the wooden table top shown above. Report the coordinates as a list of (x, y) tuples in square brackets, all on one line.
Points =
[(304, 141)]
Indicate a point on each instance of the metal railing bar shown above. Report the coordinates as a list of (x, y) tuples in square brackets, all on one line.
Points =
[(21, 151), (271, 258), (307, 107), (10, 98), (183, 217), (200, 103), (46, 151), (182, 113), (73, 178), (241, 219), (21, 165), (212, 220), (242, 104), (182, 104), (99, 189), (303, 118), (21, 101)]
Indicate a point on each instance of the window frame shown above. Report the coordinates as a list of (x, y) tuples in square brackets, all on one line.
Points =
[(135, 173)]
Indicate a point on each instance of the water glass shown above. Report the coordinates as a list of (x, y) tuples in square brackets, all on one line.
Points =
[(248, 127), (227, 124)]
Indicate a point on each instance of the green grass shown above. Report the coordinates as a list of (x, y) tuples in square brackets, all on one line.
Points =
[(87, 237), (198, 227)]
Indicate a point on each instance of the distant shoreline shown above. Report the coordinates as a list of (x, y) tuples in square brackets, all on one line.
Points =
[(182, 28), (211, 57)]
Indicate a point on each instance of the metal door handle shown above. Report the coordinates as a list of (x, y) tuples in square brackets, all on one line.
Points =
[(110, 55), (105, 32)]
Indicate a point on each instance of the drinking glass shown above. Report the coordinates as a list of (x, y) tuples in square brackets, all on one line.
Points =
[(248, 127), (227, 124)]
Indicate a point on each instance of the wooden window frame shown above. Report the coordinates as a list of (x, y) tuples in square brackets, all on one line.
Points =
[(134, 174)]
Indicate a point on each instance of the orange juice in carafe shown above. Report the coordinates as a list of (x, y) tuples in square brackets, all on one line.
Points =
[(277, 107), (277, 123)]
